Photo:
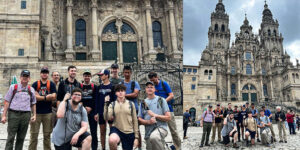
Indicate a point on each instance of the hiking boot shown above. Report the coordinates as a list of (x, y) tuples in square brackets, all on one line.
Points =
[(201, 145), (285, 141), (258, 140), (185, 137), (235, 145), (247, 143), (207, 144), (280, 141)]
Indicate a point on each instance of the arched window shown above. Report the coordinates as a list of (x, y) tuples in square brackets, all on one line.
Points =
[(223, 28), (80, 35), (269, 32), (233, 89), (126, 28), (157, 34), (252, 87), (111, 27), (248, 56), (275, 33), (232, 70), (248, 69), (246, 87), (216, 27), (210, 72), (247, 32), (265, 90), (206, 72)]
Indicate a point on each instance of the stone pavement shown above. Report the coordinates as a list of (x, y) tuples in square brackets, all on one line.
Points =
[(195, 133), (3, 133)]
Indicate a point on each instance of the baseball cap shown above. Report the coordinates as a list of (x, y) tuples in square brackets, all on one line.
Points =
[(218, 104), (45, 70), (114, 66), (25, 73), (149, 82), (87, 72), (247, 102), (104, 71), (235, 106), (210, 106), (244, 106)]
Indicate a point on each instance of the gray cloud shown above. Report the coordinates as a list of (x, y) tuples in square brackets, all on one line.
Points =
[(196, 17)]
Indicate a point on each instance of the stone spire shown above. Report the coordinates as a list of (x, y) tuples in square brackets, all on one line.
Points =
[(267, 14)]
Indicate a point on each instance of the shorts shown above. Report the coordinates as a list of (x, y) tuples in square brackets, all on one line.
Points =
[(102, 121), (127, 140), (226, 139), (68, 146), (252, 133)]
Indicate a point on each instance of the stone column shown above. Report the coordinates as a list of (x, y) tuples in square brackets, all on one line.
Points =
[(151, 52), (175, 52), (119, 24), (95, 47), (228, 87), (239, 78), (271, 87), (262, 89), (69, 51)]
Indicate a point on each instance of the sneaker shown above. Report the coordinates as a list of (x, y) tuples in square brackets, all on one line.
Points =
[(285, 141), (185, 137), (258, 140), (201, 145), (280, 141), (207, 144), (235, 145)]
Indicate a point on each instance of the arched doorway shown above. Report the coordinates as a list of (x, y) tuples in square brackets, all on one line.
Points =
[(119, 40), (249, 93), (193, 114)]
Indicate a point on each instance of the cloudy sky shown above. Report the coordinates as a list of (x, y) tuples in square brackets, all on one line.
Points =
[(197, 13)]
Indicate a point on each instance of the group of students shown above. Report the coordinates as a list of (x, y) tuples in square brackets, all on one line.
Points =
[(247, 123), (67, 108)]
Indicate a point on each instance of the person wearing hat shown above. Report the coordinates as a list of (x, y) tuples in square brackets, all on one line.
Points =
[(251, 128), (106, 88), (264, 125), (207, 121), (154, 113), (164, 90), (115, 79), (20, 104), (269, 115), (89, 91), (238, 120), (230, 130), (45, 93), (218, 124), (255, 115)]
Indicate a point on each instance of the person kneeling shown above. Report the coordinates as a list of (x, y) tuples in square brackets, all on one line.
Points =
[(72, 125), (251, 128), (229, 130), (125, 124)]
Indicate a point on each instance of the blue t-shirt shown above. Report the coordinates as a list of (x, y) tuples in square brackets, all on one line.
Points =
[(129, 91), (103, 91), (268, 113), (159, 91), (44, 107)]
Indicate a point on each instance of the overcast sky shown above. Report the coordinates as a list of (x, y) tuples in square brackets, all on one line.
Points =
[(196, 16)]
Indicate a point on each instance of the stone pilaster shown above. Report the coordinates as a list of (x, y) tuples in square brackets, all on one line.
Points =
[(69, 51), (95, 47), (151, 53), (176, 54)]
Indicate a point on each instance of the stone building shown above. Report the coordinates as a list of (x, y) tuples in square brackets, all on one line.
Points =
[(91, 34), (254, 68)]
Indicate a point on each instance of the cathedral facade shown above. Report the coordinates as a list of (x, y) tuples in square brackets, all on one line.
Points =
[(253, 68), (90, 34)]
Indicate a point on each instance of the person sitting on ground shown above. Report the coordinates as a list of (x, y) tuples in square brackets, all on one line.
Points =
[(125, 124), (230, 130), (251, 128)]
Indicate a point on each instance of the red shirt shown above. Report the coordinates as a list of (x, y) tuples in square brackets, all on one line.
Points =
[(290, 118)]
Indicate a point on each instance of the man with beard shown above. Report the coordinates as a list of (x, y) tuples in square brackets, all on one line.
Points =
[(20, 103), (55, 79), (115, 79), (218, 124), (243, 116), (68, 84), (105, 89), (230, 130), (45, 94), (227, 110), (238, 120), (72, 124), (207, 121), (163, 89), (88, 102)]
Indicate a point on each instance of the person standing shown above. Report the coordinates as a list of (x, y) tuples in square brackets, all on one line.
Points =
[(154, 114), (115, 79), (20, 103), (163, 89), (45, 93), (72, 124), (238, 120), (269, 115), (228, 110), (105, 89), (255, 115), (68, 84), (290, 120), (264, 125), (298, 121), (218, 124), (124, 128), (55, 79), (243, 116), (186, 120), (251, 128), (207, 121), (89, 91), (280, 118), (230, 130)]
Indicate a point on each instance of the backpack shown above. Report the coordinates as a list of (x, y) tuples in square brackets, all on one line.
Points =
[(113, 107), (159, 104), (16, 91), (260, 119), (39, 86), (66, 86), (132, 85), (164, 88), (92, 84), (246, 121), (206, 114)]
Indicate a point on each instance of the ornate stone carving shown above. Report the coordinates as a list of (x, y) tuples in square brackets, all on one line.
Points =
[(93, 3), (129, 36), (109, 36), (56, 38), (81, 9)]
